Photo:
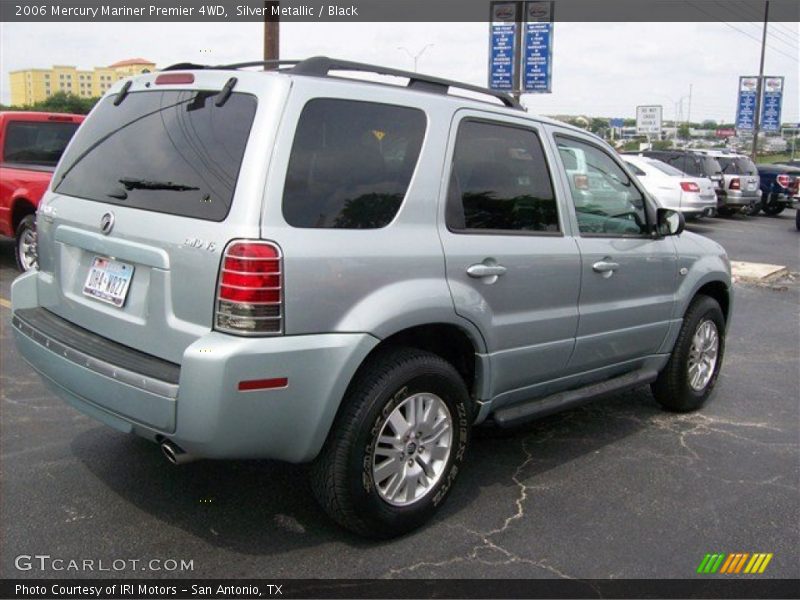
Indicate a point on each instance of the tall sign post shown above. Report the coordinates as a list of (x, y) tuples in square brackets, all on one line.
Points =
[(521, 47), (771, 104), (537, 48), (503, 38), (746, 103)]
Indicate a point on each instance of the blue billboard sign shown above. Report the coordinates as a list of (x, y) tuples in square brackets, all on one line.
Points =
[(771, 104), (746, 104), (617, 122), (503, 43), (537, 48)]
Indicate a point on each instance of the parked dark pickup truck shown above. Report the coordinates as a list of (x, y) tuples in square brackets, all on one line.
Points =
[(779, 188), (30, 145)]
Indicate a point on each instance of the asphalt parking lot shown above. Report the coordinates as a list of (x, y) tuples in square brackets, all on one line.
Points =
[(615, 489)]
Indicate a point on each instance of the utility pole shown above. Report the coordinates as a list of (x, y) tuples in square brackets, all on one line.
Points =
[(759, 87), (272, 38)]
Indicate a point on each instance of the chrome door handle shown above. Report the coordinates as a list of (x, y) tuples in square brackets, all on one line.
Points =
[(482, 270), (605, 267)]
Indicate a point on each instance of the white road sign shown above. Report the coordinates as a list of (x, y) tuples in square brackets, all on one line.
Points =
[(648, 120)]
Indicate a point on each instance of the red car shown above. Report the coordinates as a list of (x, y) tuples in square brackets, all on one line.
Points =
[(30, 145)]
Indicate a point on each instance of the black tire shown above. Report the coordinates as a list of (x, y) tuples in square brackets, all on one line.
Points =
[(672, 389), (774, 208), (22, 239), (797, 219), (724, 211), (342, 477)]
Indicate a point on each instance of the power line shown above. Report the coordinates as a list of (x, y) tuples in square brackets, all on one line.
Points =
[(794, 58), (753, 13), (793, 44)]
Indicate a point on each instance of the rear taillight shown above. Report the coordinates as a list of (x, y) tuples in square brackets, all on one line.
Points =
[(736, 184), (689, 186), (783, 180), (250, 289)]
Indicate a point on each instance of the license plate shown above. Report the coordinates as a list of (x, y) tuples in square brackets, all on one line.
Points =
[(751, 186), (108, 280)]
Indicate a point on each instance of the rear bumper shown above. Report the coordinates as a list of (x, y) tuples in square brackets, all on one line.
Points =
[(735, 198), (202, 410), (698, 206)]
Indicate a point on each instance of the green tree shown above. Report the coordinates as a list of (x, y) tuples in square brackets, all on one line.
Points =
[(683, 132), (60, 102)]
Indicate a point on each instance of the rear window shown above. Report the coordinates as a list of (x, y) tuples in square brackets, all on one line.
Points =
[(351, 164), (739, 165), (667, 169), (37, 143), (172, 152)]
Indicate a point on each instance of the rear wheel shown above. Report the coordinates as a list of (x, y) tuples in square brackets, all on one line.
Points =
[(773, 208), (25, 249), (397, 445), (691, 373)]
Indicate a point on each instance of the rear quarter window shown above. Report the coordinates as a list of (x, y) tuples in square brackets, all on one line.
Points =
[(351, 164)]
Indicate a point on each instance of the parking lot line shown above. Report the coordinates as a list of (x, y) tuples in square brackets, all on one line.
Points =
[(5, 303)]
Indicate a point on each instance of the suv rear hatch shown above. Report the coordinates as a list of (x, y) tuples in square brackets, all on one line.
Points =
[(145, 199)]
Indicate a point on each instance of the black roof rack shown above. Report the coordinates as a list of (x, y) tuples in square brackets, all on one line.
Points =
[(321, 66)]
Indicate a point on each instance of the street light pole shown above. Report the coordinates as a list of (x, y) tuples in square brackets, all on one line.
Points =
[(759, 87), (415, 57)]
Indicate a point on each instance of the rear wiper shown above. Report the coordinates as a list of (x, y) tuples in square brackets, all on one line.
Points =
[(131, 183)]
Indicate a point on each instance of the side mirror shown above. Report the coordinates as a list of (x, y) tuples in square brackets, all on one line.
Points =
[(669, 222)]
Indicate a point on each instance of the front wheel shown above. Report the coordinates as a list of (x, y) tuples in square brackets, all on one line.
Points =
[(397, 445), (25, 248), (691, 373)]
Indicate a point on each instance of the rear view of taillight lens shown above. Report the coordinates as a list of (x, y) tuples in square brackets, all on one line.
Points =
[(783, 180), (249, 292), (736, 184), (689, 186)]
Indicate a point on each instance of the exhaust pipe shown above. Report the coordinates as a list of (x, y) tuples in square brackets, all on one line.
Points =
[(175, 454)]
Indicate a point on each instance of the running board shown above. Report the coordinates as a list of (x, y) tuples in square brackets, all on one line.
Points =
[(541, 407)]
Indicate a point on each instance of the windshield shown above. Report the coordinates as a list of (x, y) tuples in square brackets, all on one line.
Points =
[(37, 142), (173, 152), (665, 168)]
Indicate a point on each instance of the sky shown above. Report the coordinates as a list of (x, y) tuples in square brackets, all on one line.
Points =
[(599, 69)]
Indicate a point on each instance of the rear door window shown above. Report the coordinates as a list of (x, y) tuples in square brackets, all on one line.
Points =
[(37, 142), (351, 163), (171, 152), (500, 181)]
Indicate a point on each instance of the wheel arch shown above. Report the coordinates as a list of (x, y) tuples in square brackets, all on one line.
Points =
[(720, 292), (21, 208)]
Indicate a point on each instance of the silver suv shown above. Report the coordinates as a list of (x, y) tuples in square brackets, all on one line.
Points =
[(741, 182), (309, 268)]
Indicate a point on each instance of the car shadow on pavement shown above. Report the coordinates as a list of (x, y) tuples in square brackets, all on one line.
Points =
[(266, 507)]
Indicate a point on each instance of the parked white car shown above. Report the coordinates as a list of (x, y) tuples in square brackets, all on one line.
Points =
[(674, 189)]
